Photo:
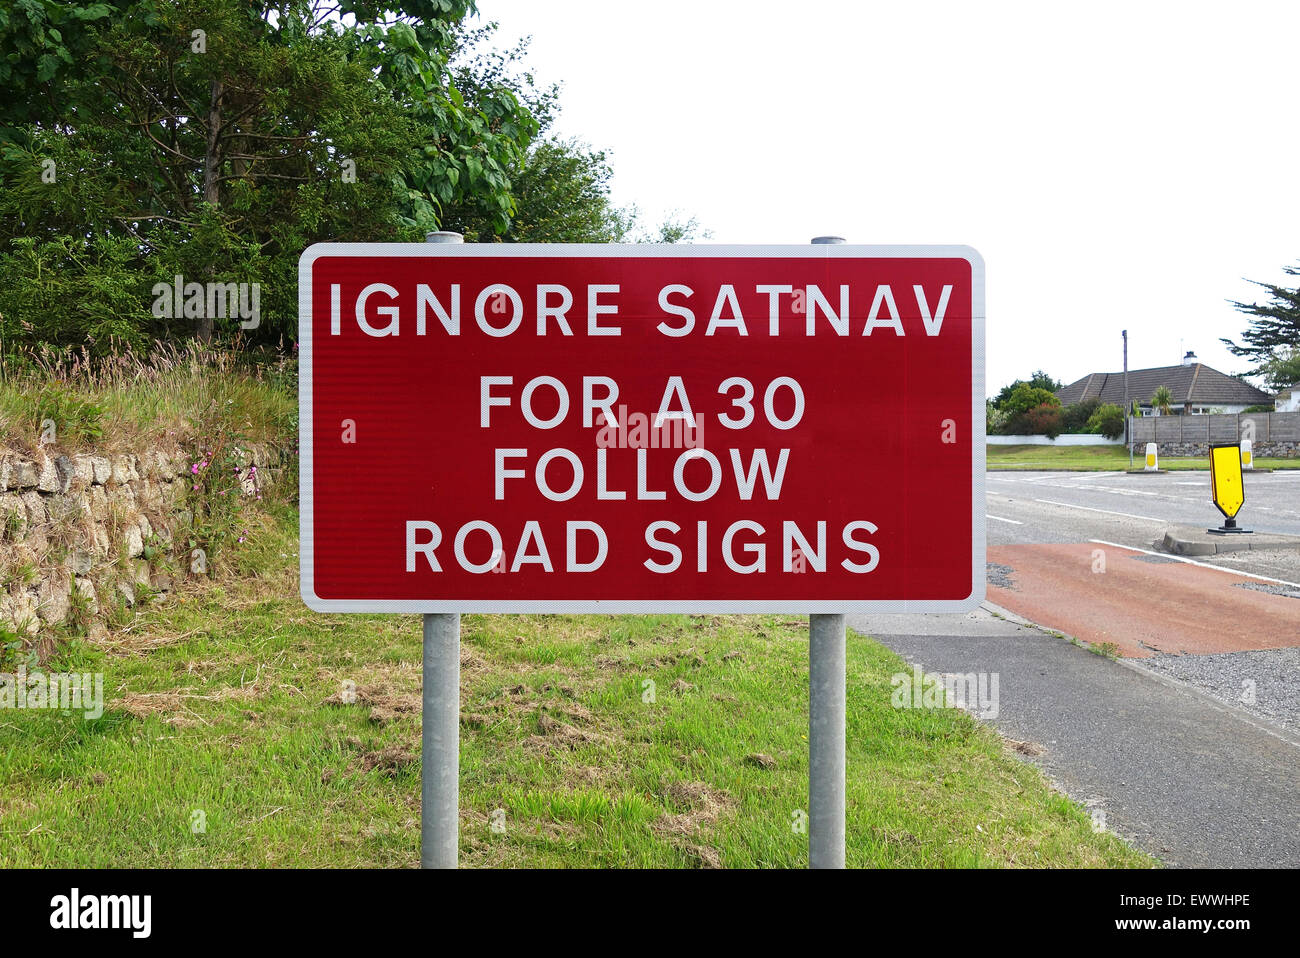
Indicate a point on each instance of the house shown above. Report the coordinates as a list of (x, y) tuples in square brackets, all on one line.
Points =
[(1288, 400), (1194, 388)]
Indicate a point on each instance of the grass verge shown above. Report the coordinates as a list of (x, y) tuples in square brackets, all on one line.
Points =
[(1098, 459), (246, 730), (68, 401)]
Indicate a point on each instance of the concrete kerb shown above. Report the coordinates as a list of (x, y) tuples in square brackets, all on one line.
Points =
[(1195, 541)]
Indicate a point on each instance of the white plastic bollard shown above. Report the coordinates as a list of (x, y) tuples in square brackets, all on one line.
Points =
[(1153, 461), (1247, 455)]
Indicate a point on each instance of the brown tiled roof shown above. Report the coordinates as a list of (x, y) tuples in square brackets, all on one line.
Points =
[(1197, 384)]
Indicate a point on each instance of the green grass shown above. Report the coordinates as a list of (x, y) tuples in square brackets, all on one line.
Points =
[(111, 402), (1099, 459), (228, 701)]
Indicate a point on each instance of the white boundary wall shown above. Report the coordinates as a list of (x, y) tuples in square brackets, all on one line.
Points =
[(1065, 439)]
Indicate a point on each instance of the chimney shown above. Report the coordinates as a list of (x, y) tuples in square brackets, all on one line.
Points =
[(1190, 359)]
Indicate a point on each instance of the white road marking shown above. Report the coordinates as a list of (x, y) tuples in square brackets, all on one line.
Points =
[(1126, 492), (1141, 492), (1014, 522), (1203, 565), (1126, 515)]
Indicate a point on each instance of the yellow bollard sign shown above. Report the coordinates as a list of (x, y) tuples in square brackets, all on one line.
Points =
[(1227, 490)]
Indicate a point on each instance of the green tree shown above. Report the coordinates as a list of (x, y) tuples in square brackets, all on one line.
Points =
[(1272, 340), (1282, 369), (1030, 411), (561, 195), (1025, 397), (1037, 380), (1161, 400), (560, 187), (44, 44), (674, 228), (218, 138)]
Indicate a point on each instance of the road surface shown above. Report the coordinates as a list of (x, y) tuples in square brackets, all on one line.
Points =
[(1189, 742)]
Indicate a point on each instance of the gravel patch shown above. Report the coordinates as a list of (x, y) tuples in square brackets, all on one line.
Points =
[(1270, 588), (1270, 676), (999, 575)]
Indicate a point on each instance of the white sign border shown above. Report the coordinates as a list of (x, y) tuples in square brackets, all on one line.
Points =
[(640, 251)]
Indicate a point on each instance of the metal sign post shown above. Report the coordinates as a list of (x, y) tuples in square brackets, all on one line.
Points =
[(827, 721), (1128, 409), (440, 729), (440, 725), (826, 725)]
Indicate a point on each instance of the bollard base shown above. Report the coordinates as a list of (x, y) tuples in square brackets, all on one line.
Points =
[(1229, 527)]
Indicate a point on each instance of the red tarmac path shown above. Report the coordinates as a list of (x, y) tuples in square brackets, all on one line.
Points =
[(1144, 607)]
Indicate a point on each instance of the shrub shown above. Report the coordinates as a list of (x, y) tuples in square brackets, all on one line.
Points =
[(1042, 420), (994, 419), (1075, 416), (1107, 420)]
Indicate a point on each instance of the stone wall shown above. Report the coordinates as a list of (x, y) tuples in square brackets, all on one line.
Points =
[(1279, 448), (101, 525)]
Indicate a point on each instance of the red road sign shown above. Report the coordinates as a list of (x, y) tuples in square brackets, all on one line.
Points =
[(514, 428)]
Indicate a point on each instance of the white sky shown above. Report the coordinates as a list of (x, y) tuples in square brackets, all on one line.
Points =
[(1118, 165)]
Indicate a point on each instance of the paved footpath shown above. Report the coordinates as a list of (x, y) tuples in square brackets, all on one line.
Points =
[(1192, 781)]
